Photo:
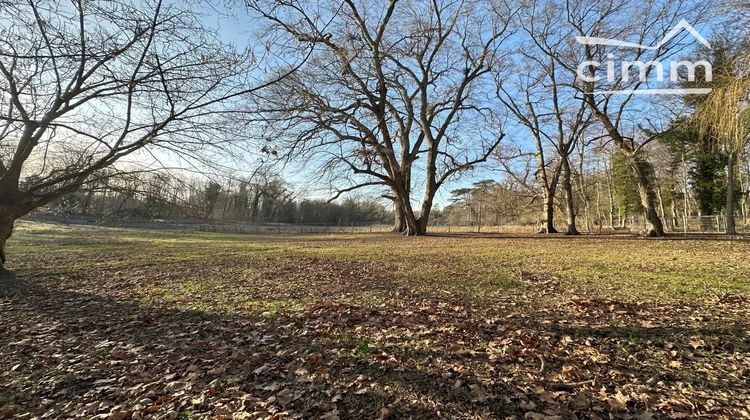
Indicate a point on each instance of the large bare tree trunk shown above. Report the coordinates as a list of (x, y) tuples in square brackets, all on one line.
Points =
[(643, 169), (399, 220), (411, 223), (429, 195), (399, 224), (548, 211), (743, 191), (7, 218), (745, 172), (644, 173), (569, 198), (611, 194), (413, 227)]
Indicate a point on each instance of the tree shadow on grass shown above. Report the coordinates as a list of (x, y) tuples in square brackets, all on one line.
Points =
[(682, 356), (75, 347), (667, 333), (78, 353)]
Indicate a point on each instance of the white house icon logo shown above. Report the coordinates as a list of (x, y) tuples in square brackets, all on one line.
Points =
[(587, 71)]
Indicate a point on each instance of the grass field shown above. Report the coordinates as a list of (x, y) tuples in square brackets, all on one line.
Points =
[(122, 323)]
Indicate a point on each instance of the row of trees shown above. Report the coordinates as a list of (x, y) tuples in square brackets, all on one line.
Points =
[(696, 165), (263, 199), (690, 180), (409, 91)]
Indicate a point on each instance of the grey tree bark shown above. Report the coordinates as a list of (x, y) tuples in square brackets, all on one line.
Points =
[(644, 174), (7, 220), (567, 185), (548, 211)]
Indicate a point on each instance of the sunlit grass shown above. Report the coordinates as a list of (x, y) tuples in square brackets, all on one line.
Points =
[(479, 268)]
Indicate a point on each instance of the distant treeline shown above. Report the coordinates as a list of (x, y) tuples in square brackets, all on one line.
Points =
[(265, 199)]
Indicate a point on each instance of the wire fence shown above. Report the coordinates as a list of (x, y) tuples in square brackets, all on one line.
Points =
[(690, 225), (631, 225), (698, 224), (295, 228)]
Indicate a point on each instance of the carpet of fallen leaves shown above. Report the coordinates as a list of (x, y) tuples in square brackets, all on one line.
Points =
[(135, 324)]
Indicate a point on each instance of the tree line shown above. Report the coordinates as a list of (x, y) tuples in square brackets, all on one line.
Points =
[(695, 168), (261, 199)]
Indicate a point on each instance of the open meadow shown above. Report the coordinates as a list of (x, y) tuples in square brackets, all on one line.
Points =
[(128, 323)]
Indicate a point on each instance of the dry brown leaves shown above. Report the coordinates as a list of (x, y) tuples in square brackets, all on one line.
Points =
[(357, 344)]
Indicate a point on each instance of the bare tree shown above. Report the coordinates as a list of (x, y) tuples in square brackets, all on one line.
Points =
[(85, 84), (393, 94), (544, 103)]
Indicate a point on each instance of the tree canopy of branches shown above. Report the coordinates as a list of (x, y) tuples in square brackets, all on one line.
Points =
[(392, 95), (85, 84)]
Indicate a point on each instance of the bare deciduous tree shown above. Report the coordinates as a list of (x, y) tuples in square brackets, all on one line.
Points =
[(394, 93), (85, 84), (543, 102)]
